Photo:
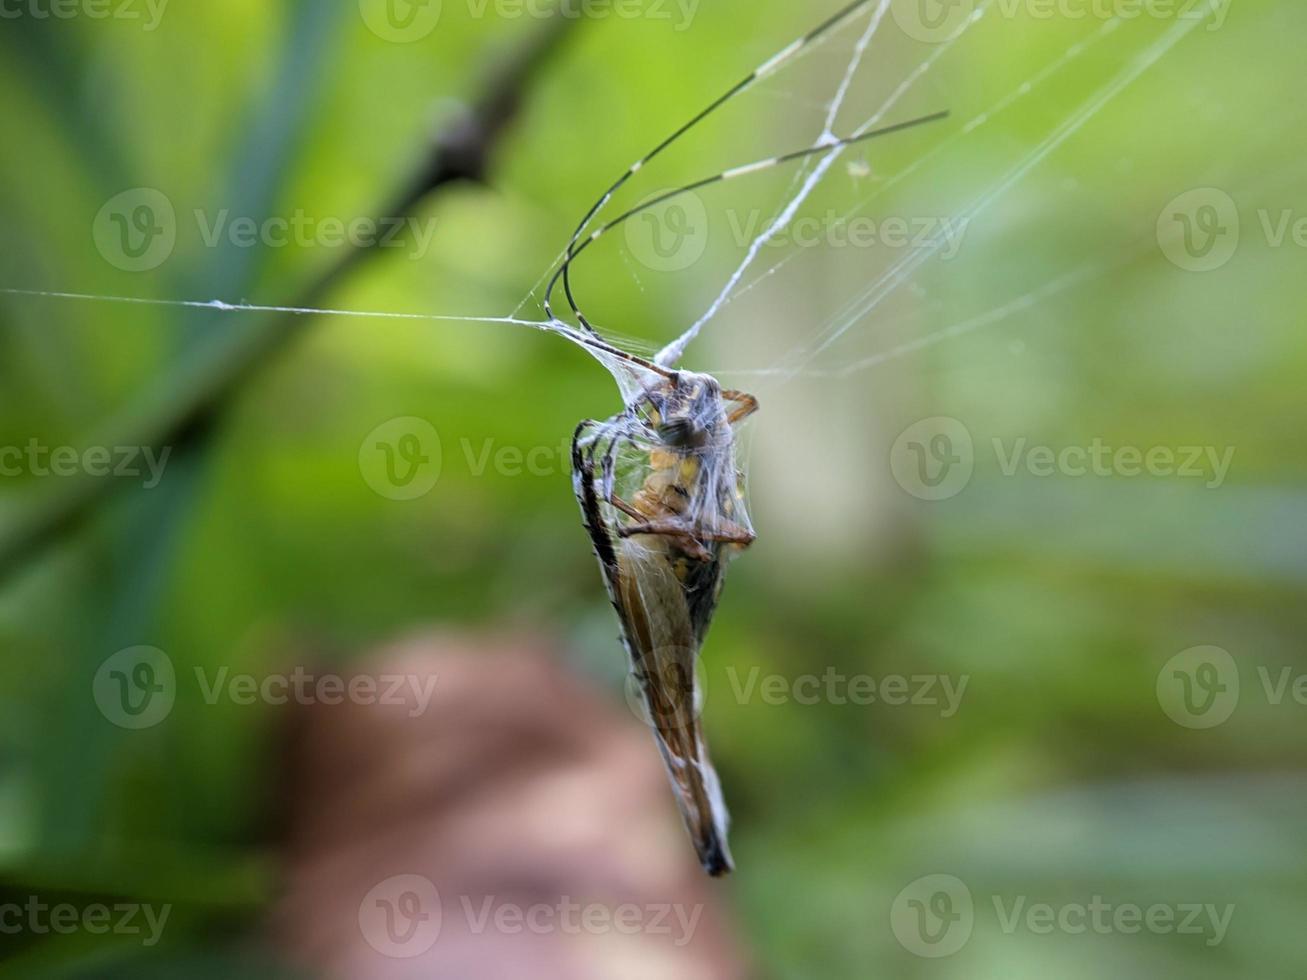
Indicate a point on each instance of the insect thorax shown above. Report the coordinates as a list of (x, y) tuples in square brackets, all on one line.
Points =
[(668, 464)]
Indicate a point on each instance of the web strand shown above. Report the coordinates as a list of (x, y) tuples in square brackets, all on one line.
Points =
[(673, 351), (876, 293), (869, 298), (220, 305)]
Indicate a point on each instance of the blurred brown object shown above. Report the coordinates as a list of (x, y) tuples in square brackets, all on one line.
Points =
[(519, 826)]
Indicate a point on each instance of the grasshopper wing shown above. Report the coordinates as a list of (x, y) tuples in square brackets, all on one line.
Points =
[(664, 601)]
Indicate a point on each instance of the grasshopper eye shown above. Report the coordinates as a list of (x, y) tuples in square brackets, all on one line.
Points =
[(683, 433)]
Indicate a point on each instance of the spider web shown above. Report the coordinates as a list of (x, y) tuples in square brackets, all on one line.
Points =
[(957, 177)]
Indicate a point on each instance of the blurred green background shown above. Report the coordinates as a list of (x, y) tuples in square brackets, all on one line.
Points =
[(1060, 600)]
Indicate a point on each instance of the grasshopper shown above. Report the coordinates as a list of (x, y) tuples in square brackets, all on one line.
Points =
[(658, 483), (660, 495)]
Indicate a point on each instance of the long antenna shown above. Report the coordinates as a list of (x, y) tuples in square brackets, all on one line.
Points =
[(757, 166), (766, 68)]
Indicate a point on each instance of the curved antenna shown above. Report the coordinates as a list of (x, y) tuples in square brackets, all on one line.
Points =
[(758, 166), (766, 68)]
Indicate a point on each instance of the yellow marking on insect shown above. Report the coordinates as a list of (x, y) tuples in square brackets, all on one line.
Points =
[(662, 459), (689, 468)]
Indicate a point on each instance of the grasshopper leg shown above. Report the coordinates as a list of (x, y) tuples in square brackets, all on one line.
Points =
[(745, 405)]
